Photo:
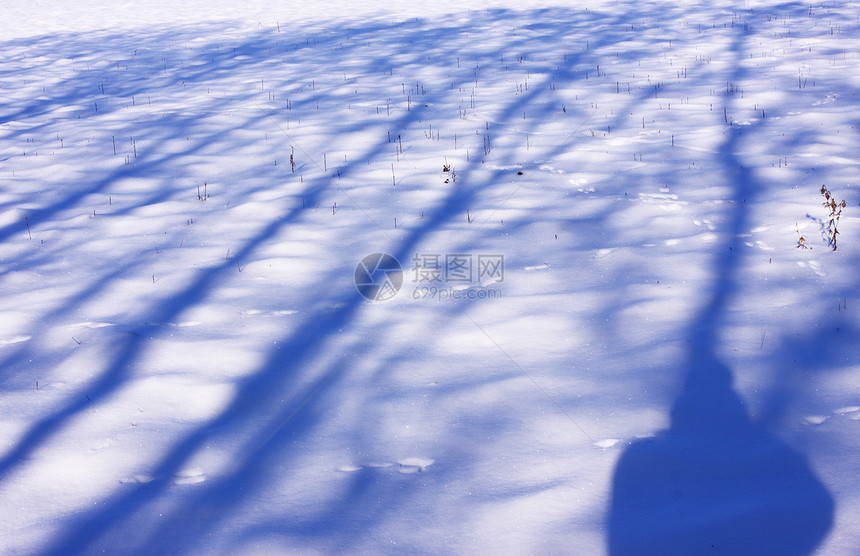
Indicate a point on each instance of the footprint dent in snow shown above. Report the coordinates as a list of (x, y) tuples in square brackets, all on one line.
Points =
[(136, 480), (189, 477), (378, 465), (405, 465), (277, 313), (705, 223), (415, 465), (544, 266)]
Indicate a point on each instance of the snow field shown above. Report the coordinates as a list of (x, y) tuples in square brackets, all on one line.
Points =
[(210, 381)]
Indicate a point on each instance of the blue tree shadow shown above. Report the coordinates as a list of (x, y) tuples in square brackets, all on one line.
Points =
[(715, 482)]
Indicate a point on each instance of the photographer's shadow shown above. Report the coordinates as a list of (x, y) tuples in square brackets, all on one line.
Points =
[(715, 482)]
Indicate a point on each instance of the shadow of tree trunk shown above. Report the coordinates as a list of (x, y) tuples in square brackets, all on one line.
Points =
[(715, 482)]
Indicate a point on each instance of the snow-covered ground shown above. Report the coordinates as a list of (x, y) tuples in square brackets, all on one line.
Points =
[(628, 347)]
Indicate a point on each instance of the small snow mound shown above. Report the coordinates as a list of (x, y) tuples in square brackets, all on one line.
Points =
[(13, 340), (93, 324), (815, 419), (547, 168), (815, 266), (11, 217), (408, 469), (415, 465), (185, 324), (349, 468), (608, 443)]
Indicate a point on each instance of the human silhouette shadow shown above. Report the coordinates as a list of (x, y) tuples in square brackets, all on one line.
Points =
[(715, 482)]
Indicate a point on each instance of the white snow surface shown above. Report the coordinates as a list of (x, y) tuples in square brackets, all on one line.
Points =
[(665, 366)]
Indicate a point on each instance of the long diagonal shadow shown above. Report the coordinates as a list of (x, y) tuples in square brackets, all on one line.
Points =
[(285, 401), (271, 406), (717, 482), (117, 371)]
